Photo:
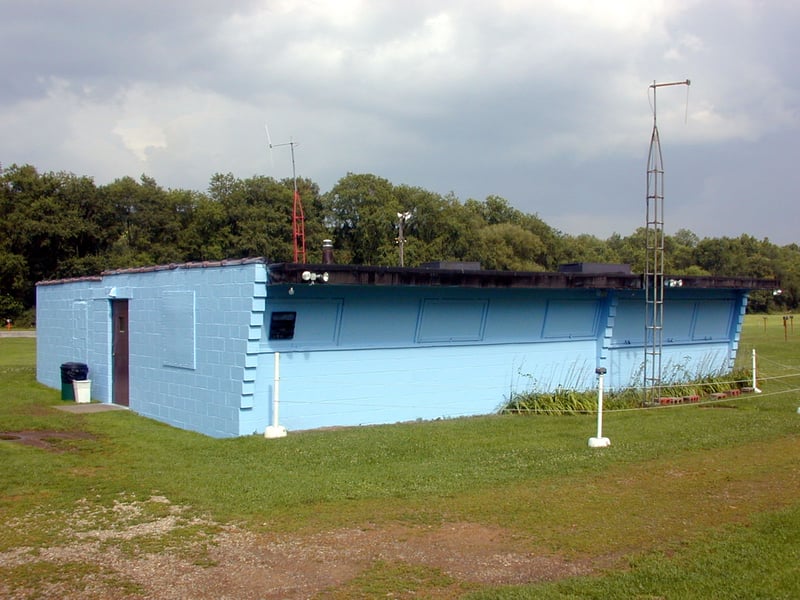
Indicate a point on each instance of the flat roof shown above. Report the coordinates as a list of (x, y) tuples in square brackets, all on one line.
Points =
[(454, 274)]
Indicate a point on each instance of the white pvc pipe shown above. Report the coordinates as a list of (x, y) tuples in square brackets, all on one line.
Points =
[(276, 394), (755, 377), (275, 430), (599, 441)]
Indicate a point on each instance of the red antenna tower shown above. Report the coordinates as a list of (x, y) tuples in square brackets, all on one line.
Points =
[(298, 228), (298, 217)]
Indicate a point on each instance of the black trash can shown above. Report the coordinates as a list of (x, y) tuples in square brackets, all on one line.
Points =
[(72, 371)]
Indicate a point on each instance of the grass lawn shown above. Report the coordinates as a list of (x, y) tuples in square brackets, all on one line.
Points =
[(690, 501)]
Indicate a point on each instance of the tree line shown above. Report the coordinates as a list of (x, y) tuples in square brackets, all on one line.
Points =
[(60, 225)]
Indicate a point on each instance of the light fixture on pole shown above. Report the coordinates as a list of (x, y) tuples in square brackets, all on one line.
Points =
[(401, 240)]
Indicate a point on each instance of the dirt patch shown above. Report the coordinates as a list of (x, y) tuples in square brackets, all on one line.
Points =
[(152, 549), (52, 441), (259, 566)]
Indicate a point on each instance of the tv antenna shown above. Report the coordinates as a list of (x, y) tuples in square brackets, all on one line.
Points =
[(654, 258), (298, 217)]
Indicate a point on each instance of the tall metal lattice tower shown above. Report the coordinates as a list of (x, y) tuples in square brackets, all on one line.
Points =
[(654, 259)]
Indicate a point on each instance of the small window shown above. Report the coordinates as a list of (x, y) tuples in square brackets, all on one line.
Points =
[(281, 325)]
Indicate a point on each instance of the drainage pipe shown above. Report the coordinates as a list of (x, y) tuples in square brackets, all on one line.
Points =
[(275, 430)]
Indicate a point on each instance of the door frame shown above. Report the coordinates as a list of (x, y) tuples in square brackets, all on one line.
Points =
[(120, 353)]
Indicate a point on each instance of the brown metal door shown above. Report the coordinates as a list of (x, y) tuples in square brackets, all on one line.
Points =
[(119, 356)]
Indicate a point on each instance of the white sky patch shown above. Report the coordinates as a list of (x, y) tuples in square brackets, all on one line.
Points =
[(140, 135), (65, 130), (620, 15), (686, 46)]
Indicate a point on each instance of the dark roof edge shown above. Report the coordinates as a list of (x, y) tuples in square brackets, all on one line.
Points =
[(338, 274), (292, 273), (739, 283)]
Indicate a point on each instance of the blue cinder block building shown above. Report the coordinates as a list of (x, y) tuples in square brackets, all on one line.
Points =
[(194, 345)]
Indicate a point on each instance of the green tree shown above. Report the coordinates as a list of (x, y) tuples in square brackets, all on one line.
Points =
[(58, 222), (507, 246), (152, 221), (586, 248), (361, 212), (631, 250), (207, 234), (59, 225)]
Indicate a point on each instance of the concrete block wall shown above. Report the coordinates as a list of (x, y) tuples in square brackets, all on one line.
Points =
[(193, 374), (66, 314), (190, 332)]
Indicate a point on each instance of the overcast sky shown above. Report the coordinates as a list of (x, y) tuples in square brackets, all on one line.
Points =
[(543, 102)]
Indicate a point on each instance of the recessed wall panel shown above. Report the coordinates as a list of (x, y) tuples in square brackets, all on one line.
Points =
[(570, 319), (178, 329), (451, 320)]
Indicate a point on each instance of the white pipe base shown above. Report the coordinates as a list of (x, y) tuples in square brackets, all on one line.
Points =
[(274, 431), (599, 442)]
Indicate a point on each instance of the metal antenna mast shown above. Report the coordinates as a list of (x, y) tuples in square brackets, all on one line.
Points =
[(654, 259), (298, 217)]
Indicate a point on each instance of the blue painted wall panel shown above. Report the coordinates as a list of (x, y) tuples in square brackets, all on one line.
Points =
[(701, 331), (381, 317), (713, 320), (353, 387)]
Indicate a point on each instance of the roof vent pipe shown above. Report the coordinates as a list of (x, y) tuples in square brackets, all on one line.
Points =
[(327, 252)]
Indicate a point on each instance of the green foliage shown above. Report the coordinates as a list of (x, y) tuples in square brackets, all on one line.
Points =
[(507, 247), (572, 400), (361, 211), (567, 401), (58, 225)]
